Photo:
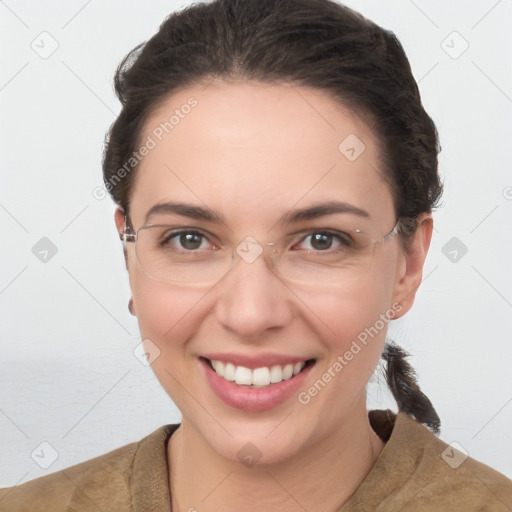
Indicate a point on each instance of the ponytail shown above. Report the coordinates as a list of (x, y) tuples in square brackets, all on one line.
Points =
[(401, 379)]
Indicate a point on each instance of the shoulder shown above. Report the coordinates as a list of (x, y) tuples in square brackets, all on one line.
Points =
[(450, 477), (101, 483), (418, 471), (81, 482)]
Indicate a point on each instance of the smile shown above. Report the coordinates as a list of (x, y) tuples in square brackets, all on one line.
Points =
[(257, 377), (251, 385)]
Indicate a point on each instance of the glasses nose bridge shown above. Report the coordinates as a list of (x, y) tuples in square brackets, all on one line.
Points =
[(249, 250)]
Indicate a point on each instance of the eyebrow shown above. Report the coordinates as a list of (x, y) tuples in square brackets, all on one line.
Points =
[(291, 217), (320, 210), (185, 210)]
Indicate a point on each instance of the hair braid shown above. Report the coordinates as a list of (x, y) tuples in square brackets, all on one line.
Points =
[(401, 379)]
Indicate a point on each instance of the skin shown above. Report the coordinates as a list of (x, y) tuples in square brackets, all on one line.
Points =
[(252, 152)]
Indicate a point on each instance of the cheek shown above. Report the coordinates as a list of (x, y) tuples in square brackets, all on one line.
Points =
[(168, 317), (165, 313), (161, 309), (353, 331), (352, 324), (341, 313)]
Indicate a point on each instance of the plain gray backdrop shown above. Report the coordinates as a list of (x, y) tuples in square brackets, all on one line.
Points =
[(68, 376)]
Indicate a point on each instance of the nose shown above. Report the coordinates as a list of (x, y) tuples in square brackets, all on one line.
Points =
[(253, 299)]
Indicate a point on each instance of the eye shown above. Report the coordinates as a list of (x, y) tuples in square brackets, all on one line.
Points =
[(324, 240), (185, 240)]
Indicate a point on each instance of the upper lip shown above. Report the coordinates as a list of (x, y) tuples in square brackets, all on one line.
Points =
[(255, 360)]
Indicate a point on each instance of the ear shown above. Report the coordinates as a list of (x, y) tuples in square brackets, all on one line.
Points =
[(411, 267), (119, 219)]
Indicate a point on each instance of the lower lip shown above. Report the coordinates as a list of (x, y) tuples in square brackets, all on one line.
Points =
[(254, 399)]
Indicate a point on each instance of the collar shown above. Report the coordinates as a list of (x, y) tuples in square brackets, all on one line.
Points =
[(150, 482)]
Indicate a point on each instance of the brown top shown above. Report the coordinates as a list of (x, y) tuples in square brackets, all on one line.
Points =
[(415, 471)]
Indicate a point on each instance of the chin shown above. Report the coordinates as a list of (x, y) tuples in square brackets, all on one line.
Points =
[(254, 447)]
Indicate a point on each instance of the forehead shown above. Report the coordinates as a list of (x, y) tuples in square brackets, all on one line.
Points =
[(246, 149)]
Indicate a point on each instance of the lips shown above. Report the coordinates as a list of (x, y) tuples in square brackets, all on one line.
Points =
[(250, 387)]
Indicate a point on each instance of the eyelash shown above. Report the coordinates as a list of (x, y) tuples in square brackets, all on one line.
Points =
[(343, 238)]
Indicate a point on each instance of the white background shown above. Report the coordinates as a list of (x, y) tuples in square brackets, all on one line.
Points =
[(67, 372)]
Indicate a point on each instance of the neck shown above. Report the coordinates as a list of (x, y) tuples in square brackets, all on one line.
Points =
[(322, 476)]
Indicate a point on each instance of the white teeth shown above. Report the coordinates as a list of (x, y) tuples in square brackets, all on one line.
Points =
[(259, 377), (243, 375), (229, 371), (288, 371), (296, 369), (276, 374), (219, 368)]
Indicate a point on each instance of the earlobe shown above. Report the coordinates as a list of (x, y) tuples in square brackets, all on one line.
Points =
[(131, 307), (411, 271)]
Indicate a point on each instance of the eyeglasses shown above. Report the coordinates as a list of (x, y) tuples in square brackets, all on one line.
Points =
[(184, 254)]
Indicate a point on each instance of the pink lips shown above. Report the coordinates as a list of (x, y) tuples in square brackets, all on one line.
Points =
[(248, 398), (253, 361)]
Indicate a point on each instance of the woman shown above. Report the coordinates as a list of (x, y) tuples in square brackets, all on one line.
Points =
[(275, 174)]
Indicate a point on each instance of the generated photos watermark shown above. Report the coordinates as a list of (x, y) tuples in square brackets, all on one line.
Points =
[(357, 345), (151, 142)]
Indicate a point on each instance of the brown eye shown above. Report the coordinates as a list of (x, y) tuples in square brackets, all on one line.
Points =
[(190, 241), (184, 240), (323, 241)]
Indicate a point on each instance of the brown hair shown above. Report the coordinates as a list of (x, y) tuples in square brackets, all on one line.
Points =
[(314, 43)]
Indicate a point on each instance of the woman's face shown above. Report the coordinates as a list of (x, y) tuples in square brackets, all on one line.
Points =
[(250, 154)]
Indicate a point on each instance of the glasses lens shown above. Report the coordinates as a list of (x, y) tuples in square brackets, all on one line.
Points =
[(328, 257), (179, 255), (173, 255)]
